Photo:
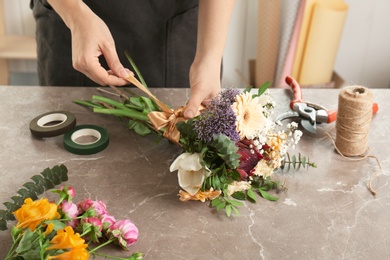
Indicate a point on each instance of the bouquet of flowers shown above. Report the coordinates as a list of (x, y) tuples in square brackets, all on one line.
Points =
[(63, 229), (230, 149)]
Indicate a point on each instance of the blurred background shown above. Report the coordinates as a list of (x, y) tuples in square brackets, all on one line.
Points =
[(351, 35)]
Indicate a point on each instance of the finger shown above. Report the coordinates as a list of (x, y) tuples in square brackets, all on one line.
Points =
[(193, 104), (113, 61), (99, 74)]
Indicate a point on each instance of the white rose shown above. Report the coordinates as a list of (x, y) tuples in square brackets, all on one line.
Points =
[(190, 173)]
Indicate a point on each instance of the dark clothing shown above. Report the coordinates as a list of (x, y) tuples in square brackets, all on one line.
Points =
[(160, 36)]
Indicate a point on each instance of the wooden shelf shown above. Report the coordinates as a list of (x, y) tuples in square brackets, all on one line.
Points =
[(18, 47)]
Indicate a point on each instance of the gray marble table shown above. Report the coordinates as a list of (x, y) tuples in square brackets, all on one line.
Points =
[(326, 213)]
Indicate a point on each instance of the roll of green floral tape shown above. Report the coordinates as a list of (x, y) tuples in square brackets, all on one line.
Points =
[(52, 124), (72, 144)]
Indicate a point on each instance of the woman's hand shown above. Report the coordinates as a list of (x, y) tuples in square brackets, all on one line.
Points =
[(91, 38)]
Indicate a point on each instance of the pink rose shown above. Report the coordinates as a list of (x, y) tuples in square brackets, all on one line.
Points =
[(71, 211), (125, 231), (94, 221), (71, 191), (98, 206), (107, 221)]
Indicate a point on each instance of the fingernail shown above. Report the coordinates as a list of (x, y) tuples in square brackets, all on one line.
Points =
[(189, 113), (123, 73)]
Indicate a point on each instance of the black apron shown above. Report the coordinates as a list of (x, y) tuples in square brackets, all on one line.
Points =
[(160, 36)]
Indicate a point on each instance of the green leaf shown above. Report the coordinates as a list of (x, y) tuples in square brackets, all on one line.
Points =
[(3, 225), (57, 224), (236, 211), (63, 173), (10, 206), (239, 195), (251, 195), (38, 179), (18, 200), (135, 69), (139, 127), (25, 244), (221, 205), (267, 196), (27, 194), (294, 160), (236, 203), (215, 202), (228, 210), (30, 186), (263, 88), (48, 184)]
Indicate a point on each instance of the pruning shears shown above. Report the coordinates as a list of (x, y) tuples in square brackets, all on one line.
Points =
[(309, 114)]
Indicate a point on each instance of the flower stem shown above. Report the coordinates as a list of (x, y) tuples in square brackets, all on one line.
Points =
[(101, 245), (134, 256)]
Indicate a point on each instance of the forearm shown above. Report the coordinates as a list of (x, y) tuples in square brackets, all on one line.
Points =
[(213, 26), (71, 12)]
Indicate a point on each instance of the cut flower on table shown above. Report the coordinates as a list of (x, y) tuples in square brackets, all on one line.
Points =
[(230, 149), (63, 229)]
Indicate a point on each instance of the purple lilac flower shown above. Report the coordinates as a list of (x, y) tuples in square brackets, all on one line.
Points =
[(218, 118)]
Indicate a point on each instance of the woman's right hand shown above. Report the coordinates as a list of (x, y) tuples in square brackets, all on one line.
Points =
[(91, 38)]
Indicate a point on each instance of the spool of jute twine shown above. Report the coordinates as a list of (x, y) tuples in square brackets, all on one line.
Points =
[(353, 120), (355, 109)]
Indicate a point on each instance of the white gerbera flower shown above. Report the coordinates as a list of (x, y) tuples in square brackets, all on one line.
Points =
[(250, 117)]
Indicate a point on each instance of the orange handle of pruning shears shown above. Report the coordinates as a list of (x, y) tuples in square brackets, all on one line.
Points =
[(296, 90)]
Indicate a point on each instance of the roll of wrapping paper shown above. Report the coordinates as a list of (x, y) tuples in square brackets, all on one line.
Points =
[(322, 43), (288, 17), (306, 24), (289, 60), (267, 40)]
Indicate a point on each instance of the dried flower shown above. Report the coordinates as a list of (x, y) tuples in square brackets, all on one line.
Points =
[(218, 118), (200, 195)]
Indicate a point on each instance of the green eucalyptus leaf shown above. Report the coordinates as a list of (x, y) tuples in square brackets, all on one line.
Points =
[(63, 173), (3, 225), (18, 200), (31, 186), (10, 206), (48, 184), (38, 179)]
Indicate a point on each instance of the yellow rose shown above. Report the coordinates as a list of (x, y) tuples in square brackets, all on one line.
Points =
[(32, 213)]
